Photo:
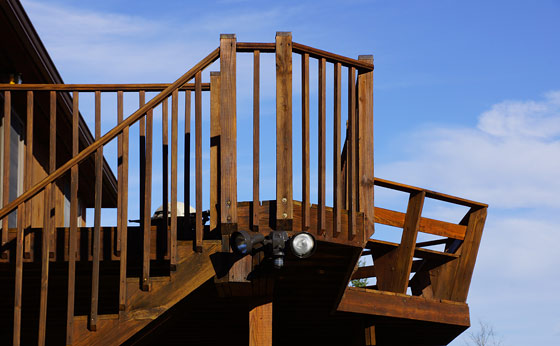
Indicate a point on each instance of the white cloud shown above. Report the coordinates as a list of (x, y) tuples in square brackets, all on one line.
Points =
[(509, 161)]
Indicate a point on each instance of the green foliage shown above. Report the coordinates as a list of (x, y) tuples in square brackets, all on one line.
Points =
[(359, 282)]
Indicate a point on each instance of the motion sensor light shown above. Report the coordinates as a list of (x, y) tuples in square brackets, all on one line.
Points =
[(302, 245)]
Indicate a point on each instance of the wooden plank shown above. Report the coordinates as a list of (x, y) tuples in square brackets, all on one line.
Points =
[(165, 168), (429, 194), (228, 135), (110, 134), (393, 268), (431, 226), (365, 145), (48, 226), (52, 167), (260, 325), (214, 149), (72, 246), (321, 169), (187, 162), (6, 164), (452, 281), (28, 178), (250, 47), (147, 202), (370, 336), (99, 87), (305, 180), (351, 152), (198, 158), (19, 275), (256, 138), (378, 303), (284, 179), (337, 183), (124, 207), (96, 219), (142, 162), (174, 139), (119, 175), (331, 57)]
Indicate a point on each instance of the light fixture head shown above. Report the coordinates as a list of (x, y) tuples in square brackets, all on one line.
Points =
[(303, 245), (243, 242)]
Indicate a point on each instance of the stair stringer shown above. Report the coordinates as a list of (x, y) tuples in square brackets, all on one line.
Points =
[(193, 269)]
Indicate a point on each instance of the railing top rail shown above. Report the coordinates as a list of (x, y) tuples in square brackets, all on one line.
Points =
[(303, 49), (98, 87), (213, 56), (429, 194)]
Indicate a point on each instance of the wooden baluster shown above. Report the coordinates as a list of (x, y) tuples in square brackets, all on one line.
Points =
[(123, 214), (19, 274), (28, 179), (365, 146), (214, 150), (6, 173), (48, 216), (305, 180), (73, 223), (174, 137), (228, 136), (284, 179), (142, 161), (165, 175), (256, 138), (198, 169), (96, 218), (187, 163), (337, 185), (351, 152), (321, 222), (119, 183), (147, 202)]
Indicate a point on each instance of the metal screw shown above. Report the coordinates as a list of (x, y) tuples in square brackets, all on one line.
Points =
[(228, 203), (229, 218), (284, 200), (285, 216)]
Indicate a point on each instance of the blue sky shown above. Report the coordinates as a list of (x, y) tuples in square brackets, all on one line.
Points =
[(467, 102)]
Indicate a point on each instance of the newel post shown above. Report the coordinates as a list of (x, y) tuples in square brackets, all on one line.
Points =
[(228, 135), (284, 179), (365, 146)]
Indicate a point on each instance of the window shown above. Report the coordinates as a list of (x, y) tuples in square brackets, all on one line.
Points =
[(16, 160)]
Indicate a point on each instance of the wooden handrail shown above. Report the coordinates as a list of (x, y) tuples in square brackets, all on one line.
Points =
[(247, 47), (99, 87), (429, 194), (213, 56)]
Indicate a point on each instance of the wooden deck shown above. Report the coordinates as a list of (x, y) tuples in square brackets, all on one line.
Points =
[(177, 279)]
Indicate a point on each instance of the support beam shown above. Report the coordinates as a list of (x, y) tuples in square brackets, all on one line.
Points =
[(393, 268), (260, 325), (284, 179)]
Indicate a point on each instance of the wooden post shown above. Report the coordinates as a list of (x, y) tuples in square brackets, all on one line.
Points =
[(365, 146), (393, 268), (284, 180), (187, 163), (97, 218), (337, 184), (73, 224), (256, 139), (214, 149), (123, 214), (351, 153), (198, 158), (322, 142), (228, 135), (305, 180), (165, 176), (260, 325), (174, 139), (28, 179), (370, 336), (147, 202)]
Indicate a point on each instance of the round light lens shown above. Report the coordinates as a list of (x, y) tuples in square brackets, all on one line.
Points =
[(303, 245), (241, 242)]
